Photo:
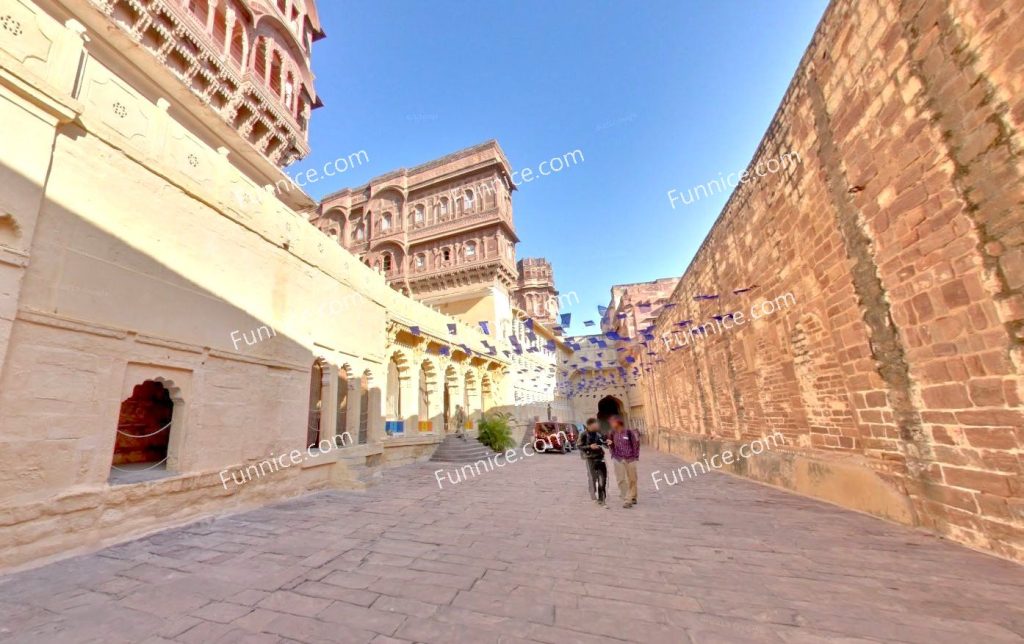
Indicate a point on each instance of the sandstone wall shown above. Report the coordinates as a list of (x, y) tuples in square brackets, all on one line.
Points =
[(896, 377), (131, 248)]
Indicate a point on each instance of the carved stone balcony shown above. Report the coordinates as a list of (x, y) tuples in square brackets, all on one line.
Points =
[(229, 89)]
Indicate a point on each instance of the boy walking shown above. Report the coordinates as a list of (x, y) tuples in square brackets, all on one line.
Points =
[(591, 447), (625, 454)]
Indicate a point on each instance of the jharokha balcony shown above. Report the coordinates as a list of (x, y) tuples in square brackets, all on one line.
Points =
[(244, 61)]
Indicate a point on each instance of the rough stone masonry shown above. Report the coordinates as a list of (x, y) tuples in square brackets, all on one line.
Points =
[(897, 380)]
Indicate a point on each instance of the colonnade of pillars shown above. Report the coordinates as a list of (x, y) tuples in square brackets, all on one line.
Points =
[(361, 405), (346, 403)]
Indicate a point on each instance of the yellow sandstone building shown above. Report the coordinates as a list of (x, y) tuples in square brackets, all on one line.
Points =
[(168, 319)]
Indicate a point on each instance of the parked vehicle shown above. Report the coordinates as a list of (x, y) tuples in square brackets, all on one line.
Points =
[(573, 431), (551, 436)]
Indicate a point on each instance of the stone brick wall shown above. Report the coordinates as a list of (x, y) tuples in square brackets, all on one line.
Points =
[(896, 376)]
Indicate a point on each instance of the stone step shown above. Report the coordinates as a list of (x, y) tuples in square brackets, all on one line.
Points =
[(457, 448)]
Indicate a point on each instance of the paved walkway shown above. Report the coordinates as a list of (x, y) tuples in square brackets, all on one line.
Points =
[(519, 554)]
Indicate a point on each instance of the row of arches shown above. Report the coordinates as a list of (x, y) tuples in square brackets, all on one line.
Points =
[(391, 259), (443, 402), (430, 397), (391, 216), (341, 405), (345, 408)]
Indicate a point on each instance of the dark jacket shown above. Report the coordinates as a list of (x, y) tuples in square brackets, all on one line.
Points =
[(588, 438)]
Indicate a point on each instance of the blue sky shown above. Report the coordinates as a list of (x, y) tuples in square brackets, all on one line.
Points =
[(657, 95)]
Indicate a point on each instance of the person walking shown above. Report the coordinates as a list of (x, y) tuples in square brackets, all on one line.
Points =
[(591, 445), (625, 453)]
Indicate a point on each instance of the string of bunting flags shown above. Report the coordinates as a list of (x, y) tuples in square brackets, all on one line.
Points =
[(600, 374), (602, 371)]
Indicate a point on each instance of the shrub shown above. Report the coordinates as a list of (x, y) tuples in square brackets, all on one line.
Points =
[(495, 431)]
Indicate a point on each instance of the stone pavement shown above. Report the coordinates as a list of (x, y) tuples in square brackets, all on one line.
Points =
[(519, 554)]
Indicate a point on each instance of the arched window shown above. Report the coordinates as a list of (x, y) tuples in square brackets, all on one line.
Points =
[(418, 215), (238, 43), (200, 9), (470, 200), (470, 249), (275, 72), (220, 27), (289, 93), (358, 233), (259, 63), (421, 261), (446, 254), (385, 221), (443, 207), (143, 431), (387, 262)]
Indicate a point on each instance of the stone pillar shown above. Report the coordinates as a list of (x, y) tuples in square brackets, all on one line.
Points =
[(329, 402), (354, 408), (229, 34), (375, 422), (411, 399)]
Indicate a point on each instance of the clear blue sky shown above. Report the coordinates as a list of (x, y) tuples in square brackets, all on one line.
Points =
[(657, 95)]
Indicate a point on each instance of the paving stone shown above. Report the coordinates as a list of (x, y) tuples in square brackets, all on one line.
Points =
[(338, 593), (432, 631), (413, 590), (405, 606), (347, 579), (521, 607), (204, 632), (385, 623), (306, 629), (294, 603), (222, 612), (715, 559)]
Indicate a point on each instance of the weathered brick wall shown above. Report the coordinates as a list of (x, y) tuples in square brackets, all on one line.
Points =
[(901, 235)]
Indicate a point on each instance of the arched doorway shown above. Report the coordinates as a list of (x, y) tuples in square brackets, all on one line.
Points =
[(606, 408), (143, 430)]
